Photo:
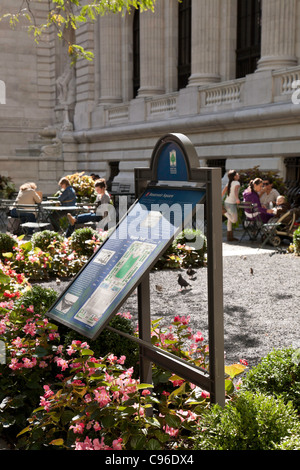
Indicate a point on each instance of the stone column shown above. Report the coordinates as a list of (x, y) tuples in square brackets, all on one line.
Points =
[(110, 52), (205, 42), (152, 65), (278, 34)]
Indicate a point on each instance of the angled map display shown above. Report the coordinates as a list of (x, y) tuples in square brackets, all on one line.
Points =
[(114, 271)]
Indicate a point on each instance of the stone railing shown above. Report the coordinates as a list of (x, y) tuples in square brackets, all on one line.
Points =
[(116, 114), (285, 82), (227, 93), (162, 105)]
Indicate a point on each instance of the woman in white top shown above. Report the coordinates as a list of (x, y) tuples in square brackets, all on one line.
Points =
[(232, 199)]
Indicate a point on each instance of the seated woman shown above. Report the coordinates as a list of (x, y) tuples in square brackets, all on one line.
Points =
[(67, 197), (251, 194), (27, 195), (103, 198)]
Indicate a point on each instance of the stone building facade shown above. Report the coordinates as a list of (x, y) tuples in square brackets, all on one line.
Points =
[(223, 72)]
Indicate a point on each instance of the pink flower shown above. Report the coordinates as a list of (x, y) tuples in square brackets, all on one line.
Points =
[(78, 428), (146, 392), (102, 397), (117, 444), (171, 431)]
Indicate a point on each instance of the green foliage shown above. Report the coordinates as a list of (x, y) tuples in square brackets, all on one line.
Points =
[(296, 241), (252, 421), (45, 239), (188, 249), (250, 174), (277, 374), (7, 187), (7, 242), (83, 241), (39, 297), (67, 15)]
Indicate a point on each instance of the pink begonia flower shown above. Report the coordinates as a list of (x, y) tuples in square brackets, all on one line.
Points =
[(146, 392), (30, 329), (117, 444), (45, 403), (14, 365), (78, 428), (205, 394), (171, 431), (102, 397), (62, 363), (28, 364), (48, 392), (30, 309), (121, 360)]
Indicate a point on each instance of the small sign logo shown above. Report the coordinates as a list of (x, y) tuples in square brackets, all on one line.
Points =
[(173, 162)]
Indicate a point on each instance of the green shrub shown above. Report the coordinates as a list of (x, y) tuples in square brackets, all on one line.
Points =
[(40, 297), (296, 241), (7, 187), (188, 249), (79, 239), (45, 238), (278, 374), (7, 242), (253, 421)]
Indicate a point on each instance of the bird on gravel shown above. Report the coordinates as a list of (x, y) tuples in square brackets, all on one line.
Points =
[(191, 272), (182, 282)]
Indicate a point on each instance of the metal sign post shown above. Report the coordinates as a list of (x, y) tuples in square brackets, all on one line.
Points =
[(167, 196)]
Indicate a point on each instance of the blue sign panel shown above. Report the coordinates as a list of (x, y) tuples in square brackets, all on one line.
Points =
[(172, 164), (116, 268)]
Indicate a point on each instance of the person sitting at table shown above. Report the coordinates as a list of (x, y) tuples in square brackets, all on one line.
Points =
[(67, 197), (268, 194), (251, 194), (27, 194), (103, 199)]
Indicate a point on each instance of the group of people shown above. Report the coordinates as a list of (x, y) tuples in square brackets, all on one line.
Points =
[(260, 192), (29, 195)]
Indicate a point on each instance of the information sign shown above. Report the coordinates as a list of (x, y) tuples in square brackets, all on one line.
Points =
[(115, 270)]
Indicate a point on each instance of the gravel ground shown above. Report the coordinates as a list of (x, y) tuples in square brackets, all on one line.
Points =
[(261, 298)]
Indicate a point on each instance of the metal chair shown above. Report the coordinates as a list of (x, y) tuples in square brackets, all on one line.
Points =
[(251, 222)]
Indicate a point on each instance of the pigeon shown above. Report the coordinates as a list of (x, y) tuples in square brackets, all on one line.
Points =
[(182, 282), (190, 272)]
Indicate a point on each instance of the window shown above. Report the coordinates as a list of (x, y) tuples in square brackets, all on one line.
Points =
[(292, 182), (248, 36), (136, 53), (184, 43)]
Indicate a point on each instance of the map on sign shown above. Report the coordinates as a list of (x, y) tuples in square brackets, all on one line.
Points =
[(116, 268)]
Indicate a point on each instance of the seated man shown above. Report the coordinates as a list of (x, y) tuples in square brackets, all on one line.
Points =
[(103, 199)]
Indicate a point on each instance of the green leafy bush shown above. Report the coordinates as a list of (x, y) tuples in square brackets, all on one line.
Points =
[(251, 173), (252, 421), (7, 242), (45, 238), (296, 241), (188, 249), (277, 374), (39, 297), (7, 187), (83, 241)]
